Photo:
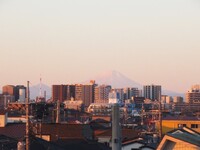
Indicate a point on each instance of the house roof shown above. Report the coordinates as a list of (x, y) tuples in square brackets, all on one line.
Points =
[(126, 134), (14, 130), (185, 129), (185, 118), (65, 130), (187, 135), (7, 142), (181, 135), (139, 140), (40, 144), (77, 144)]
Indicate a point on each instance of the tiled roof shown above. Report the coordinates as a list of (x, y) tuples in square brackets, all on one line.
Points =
[(40, 144), (126, 134), (65, 130), (14, 130), (81, 144), (186, 135)]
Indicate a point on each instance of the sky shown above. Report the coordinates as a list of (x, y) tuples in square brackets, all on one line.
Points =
[(70, 41)]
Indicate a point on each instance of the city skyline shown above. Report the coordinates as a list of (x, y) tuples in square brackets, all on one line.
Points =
[(70, 42)]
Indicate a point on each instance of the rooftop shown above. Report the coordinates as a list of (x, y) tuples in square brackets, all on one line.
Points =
[(14, 130), (187, 135), (189, 118)]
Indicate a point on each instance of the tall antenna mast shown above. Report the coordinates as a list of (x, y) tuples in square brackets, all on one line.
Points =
[(40, 94), (27, 118)]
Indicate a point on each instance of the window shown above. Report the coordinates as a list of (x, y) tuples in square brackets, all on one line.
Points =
[(194, 125), (182, 125)]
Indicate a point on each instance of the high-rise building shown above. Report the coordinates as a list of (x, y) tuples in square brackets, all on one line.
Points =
[(80, 92), (101, 93), (152, 92), (178, 99), (88, 94), (59, 92), (70, 92), (85, 92), (114, 97), (10, 90), (121, 93), (131, 92), (163, 99), (193, 95), (63, 92), (169, 99), (127, 93), (20, 93)]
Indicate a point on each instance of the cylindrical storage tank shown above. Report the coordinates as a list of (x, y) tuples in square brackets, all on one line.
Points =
[(20, 145), (22, 95)]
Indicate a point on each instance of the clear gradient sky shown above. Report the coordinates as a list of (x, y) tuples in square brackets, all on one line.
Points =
[(68, 41)]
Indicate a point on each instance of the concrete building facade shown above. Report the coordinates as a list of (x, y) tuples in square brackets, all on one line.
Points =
[(193, 95), (9, 90), (152, 92), (101, 93), (63, 92)]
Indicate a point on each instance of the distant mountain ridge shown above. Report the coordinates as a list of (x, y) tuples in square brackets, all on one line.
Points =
[(113, 78), (116, 80), (35, 91)]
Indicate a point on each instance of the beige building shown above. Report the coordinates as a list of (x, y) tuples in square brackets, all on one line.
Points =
[(178, 99), (193, 95), (101, 93), (3, 118), (85, 93), (72, 104)]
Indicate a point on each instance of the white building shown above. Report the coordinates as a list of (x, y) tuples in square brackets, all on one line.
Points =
[(114, 97), (193, 95)]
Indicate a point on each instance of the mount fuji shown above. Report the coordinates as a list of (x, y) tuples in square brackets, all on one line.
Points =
[(116, 80)]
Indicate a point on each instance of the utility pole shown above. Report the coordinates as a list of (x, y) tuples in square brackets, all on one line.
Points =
[(58, 112), (27, 117), (160, 117), (116, 130)]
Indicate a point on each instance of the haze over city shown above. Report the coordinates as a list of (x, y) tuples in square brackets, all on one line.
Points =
[(72, 41)]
